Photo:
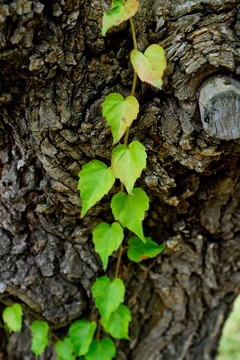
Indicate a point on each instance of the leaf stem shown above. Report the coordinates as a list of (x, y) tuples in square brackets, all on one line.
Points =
[(134, 84), (121, 249), (4, 302), (126, 137), (98, 330), (133, 34)]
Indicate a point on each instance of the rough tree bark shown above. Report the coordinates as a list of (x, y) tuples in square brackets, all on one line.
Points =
[(56, 69)]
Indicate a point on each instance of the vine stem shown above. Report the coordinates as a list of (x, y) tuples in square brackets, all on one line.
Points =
[(121, 249), (134, 77), (133, 34), (98, 330)]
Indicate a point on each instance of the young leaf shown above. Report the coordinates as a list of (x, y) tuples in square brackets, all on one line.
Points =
[(81, 334), (40, 337), (107, 238), (119, 12), (130, 210), (120, 113), (95, 181), (12, 316), (65, 350), (128, 163), (108, 295), (101, 350), (117, 324), (150, 65), (139, 251)]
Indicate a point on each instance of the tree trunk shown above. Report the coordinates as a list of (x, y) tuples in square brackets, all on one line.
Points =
[(56, 70)]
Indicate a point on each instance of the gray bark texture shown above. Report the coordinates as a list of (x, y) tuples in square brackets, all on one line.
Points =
[(56, 70)]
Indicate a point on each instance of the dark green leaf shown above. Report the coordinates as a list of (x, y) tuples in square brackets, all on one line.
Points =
[(65, 350), (101, 350), (139, 251), (81, 334), (118, 322)]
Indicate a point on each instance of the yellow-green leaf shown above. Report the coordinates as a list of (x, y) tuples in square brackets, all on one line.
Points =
[(96, 179), (40, 337), (130, 210), (12, 316), (120, 113), (81, 335), (101, 350), (150, 66), (65, 350), (107, 238), (139, 251), (118, 322), (119, 12), (108, 295), (128, 163)]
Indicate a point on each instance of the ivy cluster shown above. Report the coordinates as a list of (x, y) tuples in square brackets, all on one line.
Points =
[(128, 208)]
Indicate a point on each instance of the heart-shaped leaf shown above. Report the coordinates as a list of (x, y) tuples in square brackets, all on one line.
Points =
[(108, 295), (101, 350), (40, 337), (130, 210), (118, 322), (139, 251), (150, 66), (107, 238), (120, 113), (65, 350), (96, 179), (128, 163), (81, 334), (12, 316), (119, 12)]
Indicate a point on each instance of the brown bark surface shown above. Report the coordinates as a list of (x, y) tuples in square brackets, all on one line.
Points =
[(56, 69)]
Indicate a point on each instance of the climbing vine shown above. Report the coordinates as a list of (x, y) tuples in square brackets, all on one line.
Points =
[(128, 207)]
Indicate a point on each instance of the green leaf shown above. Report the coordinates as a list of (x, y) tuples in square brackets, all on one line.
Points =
[(130, 210), (139, 251), (101, 350), (81, 334), (108, 295), (150, 65), (95, 181), (107, 238), (119, 12), (128, 163), (65, 350), (40, 337), (120, 113), (118, 322), (12, 316)]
